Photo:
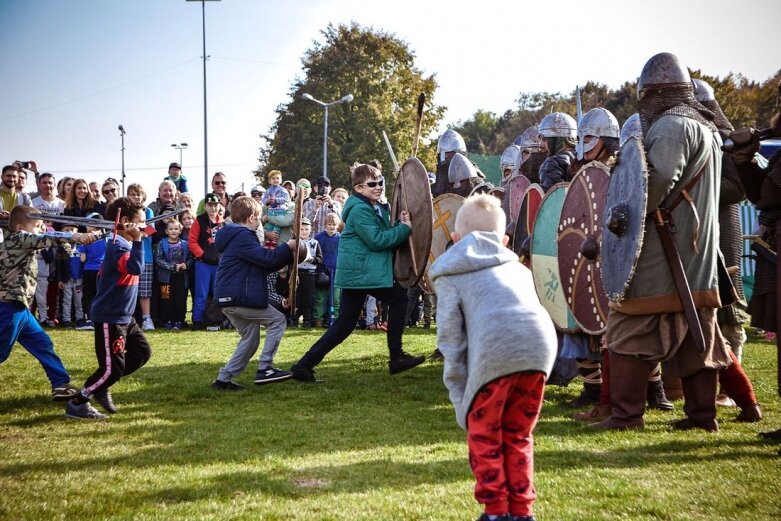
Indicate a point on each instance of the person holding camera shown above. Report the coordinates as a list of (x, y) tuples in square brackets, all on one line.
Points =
[(321, 204)]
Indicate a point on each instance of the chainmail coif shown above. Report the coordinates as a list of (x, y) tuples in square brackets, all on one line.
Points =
[(677, 100)]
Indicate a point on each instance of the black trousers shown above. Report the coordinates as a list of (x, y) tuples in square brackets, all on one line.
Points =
[(89, 285), (305, 295), (394, 298), (173, 298), (121, 350)]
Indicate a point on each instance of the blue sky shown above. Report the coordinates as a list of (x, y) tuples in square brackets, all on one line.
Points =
[(76, 69)]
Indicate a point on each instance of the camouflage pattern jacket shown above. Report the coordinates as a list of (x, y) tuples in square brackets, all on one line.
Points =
[(19, 266)]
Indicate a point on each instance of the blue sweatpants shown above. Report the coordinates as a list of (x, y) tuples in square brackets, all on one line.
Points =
[(19, 325), (205, 275)]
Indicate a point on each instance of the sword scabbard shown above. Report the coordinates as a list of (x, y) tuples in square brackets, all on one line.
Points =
[(663, 221)]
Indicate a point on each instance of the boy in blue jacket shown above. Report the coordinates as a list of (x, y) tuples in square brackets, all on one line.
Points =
[(241, 290), (120, 345), (364, 266)]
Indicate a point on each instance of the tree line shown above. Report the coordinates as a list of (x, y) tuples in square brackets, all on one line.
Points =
[(379, 70), (744, 102)]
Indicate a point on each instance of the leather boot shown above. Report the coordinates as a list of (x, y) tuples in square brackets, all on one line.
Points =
[(599, 412), (656, 398), (673, 389), (699, 394), (592, 376), (737, 385), (628, 389)]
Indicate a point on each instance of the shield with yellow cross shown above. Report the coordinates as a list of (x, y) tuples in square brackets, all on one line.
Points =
[(445, 208)]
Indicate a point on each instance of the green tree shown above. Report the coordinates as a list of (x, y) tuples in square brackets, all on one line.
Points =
[(479, 132), (379, 70)]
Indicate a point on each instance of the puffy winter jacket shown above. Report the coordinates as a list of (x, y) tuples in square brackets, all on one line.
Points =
[(244, 265)]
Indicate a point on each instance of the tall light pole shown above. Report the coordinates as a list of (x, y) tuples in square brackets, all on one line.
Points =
[(344, 99), (179, 147), (122, 136), (205, 131)]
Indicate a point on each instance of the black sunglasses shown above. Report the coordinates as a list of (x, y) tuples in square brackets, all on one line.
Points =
[(374, 184), (111, 191)]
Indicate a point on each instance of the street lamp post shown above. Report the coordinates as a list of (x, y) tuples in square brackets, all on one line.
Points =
[(179, 147), (122, 136), (205, 132), (344, 99)]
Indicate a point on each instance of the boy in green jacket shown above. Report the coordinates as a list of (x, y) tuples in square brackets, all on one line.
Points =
[(364, 266)]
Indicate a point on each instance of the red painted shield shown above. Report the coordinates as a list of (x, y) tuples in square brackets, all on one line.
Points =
[(515, 190), (524, 225), (579, 240)]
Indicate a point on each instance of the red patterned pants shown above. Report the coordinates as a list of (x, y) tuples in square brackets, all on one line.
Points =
[(501, 447)]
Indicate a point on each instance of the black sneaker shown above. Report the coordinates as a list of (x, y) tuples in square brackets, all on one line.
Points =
[(103, 397), (303, 373), (272, 374), (404, 361), (64, 392), (226, 386)]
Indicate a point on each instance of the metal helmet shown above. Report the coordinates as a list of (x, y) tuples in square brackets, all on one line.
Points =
[(529, 139), (703, 91), (460, 169), (450, 141), (511, 158), (630, 129), (558, 124), (596, 122), (661, 71)]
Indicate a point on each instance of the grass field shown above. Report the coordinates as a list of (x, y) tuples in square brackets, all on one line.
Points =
[(363, 445)]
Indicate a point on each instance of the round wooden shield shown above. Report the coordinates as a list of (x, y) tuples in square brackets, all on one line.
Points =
[(524, 224), (624, 217), (412, 193), (445, 207), (579, 239), (515, 189), (544, 262)]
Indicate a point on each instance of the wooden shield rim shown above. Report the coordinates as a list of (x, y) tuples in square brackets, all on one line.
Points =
[(422, 216), (603, 168), (563, 329), (511, 192)]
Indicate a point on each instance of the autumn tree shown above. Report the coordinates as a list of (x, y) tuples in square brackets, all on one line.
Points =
[(379, 70)]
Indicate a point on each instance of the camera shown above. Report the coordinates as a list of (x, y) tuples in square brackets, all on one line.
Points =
[(320, 190)]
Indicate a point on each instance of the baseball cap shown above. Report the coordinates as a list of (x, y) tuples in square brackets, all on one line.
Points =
[(323, 181), (257, 190), (211, 198), (174, 165), (305, 220)]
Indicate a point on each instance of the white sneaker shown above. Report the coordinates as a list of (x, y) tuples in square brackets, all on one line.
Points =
[(148, 325)]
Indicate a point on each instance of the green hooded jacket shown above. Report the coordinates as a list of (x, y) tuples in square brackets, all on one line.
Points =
[(365, 258)]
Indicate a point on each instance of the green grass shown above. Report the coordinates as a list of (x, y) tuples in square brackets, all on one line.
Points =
[(362, 445)]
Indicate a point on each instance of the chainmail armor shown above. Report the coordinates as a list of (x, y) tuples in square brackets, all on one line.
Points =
[(673, 100), (721, 121)]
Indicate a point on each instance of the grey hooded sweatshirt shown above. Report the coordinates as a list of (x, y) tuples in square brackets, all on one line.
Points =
[(490, 322)]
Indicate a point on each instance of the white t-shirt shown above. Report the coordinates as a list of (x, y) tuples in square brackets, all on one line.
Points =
[(56, 205)]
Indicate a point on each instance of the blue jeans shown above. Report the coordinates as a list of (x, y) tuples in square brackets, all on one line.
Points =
[(19, 325), (205, 275)]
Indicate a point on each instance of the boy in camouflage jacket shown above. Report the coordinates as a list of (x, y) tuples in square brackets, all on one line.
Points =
[(18, 273)]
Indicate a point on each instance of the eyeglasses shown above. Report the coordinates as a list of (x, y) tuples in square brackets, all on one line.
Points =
[(374, 184), (219, 182), (110, 191)]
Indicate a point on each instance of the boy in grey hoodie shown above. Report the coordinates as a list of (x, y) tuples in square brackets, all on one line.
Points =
[(499, 346)]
